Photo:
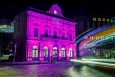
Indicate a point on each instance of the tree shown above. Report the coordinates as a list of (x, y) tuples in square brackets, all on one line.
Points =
[(7, 43)]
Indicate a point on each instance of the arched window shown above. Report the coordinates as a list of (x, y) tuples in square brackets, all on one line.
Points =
[(45, 51), (70, 52), (55, 52), (63, 52), (35, 51)]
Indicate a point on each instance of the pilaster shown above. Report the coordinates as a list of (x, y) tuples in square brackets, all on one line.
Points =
[(41, 51), (59, 51)]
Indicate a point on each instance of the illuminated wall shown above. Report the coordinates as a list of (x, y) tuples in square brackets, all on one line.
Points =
[(50, 36)]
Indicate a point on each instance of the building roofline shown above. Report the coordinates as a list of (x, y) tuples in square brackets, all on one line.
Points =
[(43, 12), (95, 16)]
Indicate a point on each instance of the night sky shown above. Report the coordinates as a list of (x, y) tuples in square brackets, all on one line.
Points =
[(70, 8)]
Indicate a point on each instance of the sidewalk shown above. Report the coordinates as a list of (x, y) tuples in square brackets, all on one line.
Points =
[(26, 63)]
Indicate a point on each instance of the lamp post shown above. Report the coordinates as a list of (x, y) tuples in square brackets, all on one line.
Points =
[(15, 53)]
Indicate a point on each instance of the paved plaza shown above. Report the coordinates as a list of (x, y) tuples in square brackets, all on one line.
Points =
[(66, 69)]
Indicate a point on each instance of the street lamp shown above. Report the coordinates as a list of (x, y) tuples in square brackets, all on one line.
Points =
[(15, 52)]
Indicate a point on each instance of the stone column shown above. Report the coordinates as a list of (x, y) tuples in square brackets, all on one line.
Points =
[(51, 52), (75, 55), (29, 47), (67, 52), (41, 52), (59, 54)]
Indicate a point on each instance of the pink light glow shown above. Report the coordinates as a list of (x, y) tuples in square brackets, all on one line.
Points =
[(15, 48), (50, 24), (54, 8)]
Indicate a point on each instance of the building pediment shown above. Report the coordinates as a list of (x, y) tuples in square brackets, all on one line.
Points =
[(56, 10)]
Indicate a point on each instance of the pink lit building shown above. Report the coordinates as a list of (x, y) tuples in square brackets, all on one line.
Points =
[(44, 36)]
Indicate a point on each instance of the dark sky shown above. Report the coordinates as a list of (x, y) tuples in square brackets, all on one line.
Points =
[(70, 8)]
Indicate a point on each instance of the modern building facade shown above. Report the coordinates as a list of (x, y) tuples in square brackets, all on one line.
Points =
[(100, 44), (44, 36), (85, 23)]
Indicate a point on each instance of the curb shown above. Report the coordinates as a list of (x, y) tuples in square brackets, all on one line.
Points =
[(27, 63)]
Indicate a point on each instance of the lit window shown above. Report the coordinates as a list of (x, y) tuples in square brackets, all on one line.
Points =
[(35, 32), (114, 20), (111, 20), (55, 52), (45, 52), (35, 51), (107, 20), (70, 52), (99, 19), (94, 19), (63, 52), (103, 19)]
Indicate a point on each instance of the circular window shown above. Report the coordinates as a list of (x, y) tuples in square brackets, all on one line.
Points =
[(55, 12)]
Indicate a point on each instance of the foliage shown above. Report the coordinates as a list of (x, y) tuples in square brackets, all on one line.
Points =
[(7, 43)]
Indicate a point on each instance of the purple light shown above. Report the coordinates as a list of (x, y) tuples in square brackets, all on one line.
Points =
[(50, 25), (93, 33), (55, 9), (15, 48)]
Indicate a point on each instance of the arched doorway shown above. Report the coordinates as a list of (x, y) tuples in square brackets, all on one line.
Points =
[(63, 52), (45, 53), (35, 53), (55, 53), (70, 53)]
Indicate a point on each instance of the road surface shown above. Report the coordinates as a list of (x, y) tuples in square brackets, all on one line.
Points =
[(53, 70)]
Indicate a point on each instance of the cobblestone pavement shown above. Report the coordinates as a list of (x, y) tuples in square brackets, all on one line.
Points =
[(52, 70)]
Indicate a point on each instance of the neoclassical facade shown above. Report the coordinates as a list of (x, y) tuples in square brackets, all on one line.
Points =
[(44, 36)]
